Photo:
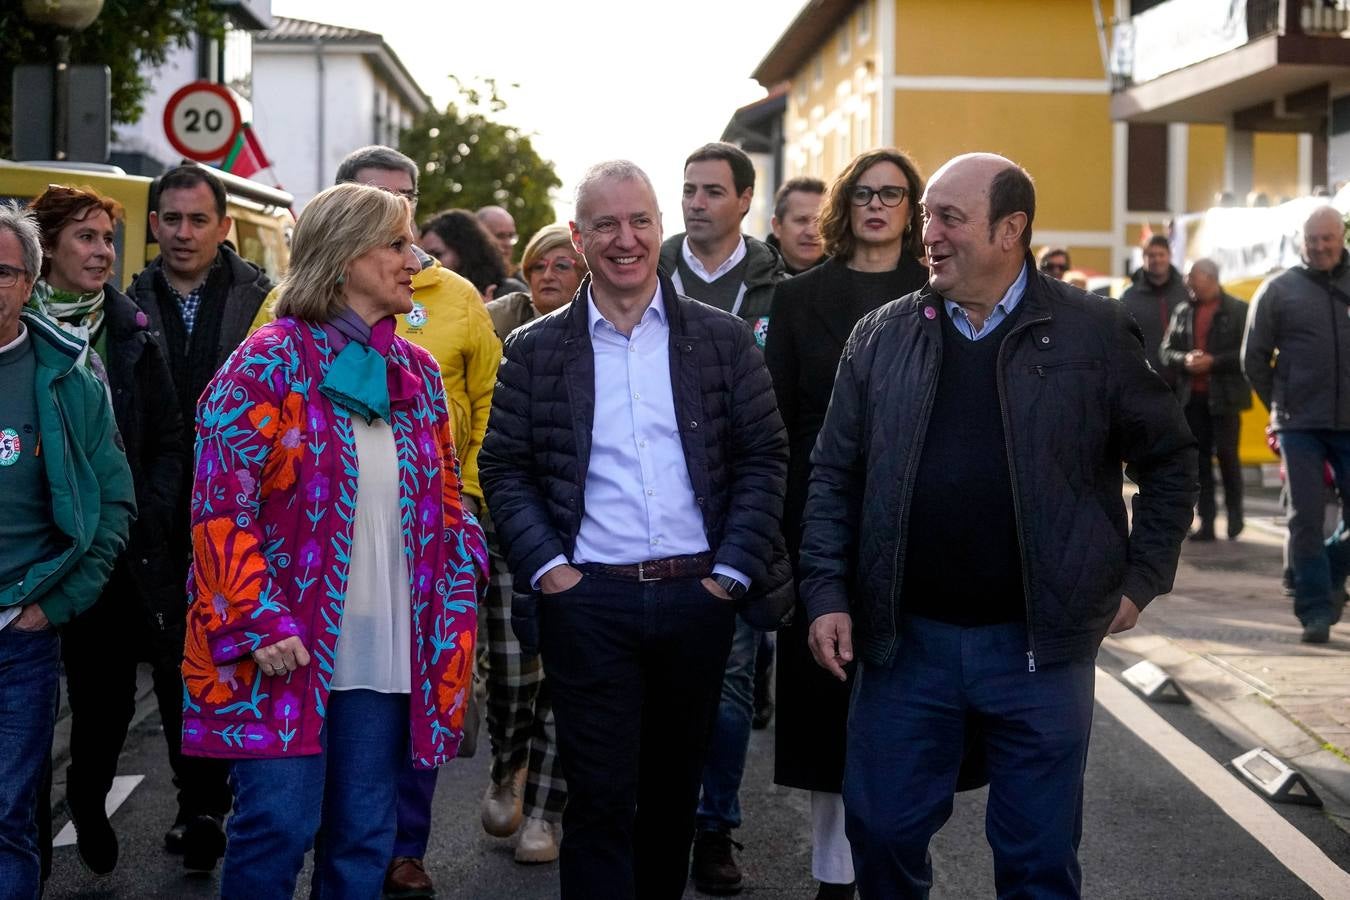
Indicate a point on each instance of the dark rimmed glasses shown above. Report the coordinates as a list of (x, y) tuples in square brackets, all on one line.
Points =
[(891, 195)]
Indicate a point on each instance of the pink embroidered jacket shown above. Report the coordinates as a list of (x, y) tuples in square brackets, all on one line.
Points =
[(273, 506)]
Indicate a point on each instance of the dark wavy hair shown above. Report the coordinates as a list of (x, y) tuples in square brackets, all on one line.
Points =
[(479, 259), (58, 206), (836, 228)]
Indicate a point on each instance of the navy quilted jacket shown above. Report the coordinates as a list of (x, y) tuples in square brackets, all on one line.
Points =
[(1078, 399), (535, 455)]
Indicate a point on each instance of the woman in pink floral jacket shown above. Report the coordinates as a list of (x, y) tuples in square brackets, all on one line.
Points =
[(335, 574)]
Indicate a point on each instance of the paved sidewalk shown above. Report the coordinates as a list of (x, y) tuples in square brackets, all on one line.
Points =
[(1227, 634)]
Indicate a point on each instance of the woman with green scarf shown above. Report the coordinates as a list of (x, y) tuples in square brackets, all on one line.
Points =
[(141, 613)]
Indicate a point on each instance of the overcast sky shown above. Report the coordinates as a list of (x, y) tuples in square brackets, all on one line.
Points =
[(598, 79)]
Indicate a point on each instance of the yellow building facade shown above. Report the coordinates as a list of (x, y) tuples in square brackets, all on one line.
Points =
[(1023, 78)]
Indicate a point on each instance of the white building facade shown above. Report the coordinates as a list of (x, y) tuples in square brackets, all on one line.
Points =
[(320, 92)]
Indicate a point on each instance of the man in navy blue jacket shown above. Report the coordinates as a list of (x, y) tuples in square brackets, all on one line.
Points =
[(635, 464)]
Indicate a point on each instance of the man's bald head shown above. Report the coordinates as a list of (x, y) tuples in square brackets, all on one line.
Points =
[(1323, 238), (1007, 185), (978, 209), (502, 227)]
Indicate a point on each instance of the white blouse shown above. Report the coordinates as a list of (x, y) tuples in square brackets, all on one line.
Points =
[(374, 647)]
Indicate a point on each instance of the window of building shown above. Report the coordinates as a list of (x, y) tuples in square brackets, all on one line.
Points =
[(864, 22), (818, 70), (1146, 167), (845, 42), (801, 91)]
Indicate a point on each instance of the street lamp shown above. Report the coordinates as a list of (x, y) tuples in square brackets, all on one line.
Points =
[(68, 17)]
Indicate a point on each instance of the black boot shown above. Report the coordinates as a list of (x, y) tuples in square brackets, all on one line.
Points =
[(715, 870), (203, 843), (95, 839)]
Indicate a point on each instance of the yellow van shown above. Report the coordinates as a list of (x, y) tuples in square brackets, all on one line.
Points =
[(260, 231)]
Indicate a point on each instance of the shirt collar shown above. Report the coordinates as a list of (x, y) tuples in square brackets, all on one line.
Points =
[(656, 308), (1011, 297), (696, 266)]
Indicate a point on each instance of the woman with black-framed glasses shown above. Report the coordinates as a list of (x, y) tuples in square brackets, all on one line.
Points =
[(873, 238)]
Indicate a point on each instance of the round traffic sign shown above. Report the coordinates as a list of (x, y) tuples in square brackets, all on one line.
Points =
[(202, 120)]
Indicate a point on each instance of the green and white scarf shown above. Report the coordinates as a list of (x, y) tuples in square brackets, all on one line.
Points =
[(79, 315)]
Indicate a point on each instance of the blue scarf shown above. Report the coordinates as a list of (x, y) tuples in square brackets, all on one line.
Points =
[(359, 380)]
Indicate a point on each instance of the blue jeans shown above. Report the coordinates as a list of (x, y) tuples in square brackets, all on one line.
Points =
[(906, 733), (719, 809), (28, 681), (1319, 563), (340, 801), (416, 792), (635, 670)]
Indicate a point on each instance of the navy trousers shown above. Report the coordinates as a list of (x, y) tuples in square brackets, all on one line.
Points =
[(636, 675), (906, 733)]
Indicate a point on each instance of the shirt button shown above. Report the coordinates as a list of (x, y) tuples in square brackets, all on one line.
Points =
[(632, 349), (693, 424), (651, 493), (642, 443), (637, 396)]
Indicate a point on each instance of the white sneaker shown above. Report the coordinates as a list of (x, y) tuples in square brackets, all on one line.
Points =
[(539, 841), (502, 805)]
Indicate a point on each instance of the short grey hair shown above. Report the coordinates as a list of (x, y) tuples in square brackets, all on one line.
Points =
[(1206, 265), (21, 223), (376, 156), (611, 170)]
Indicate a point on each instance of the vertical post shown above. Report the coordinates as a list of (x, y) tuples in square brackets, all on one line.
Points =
[(61, 99)]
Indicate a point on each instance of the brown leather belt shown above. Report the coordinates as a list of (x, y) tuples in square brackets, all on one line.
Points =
[(697, 565)]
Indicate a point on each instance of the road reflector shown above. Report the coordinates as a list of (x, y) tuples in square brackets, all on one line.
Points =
[(1153, 683), (1269, 775)]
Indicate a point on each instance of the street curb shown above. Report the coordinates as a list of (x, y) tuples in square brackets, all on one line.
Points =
[(1245, 713)]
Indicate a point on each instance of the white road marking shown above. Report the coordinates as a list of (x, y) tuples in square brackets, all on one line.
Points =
[(122, 787), (1285, 842)]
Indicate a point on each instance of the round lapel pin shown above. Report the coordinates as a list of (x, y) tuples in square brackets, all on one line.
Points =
[(929, 312)]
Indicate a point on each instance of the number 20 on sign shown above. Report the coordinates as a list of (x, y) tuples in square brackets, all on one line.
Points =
[(202, 120)]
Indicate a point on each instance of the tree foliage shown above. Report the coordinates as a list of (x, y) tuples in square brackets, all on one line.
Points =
[(126, 35), (468, 161)]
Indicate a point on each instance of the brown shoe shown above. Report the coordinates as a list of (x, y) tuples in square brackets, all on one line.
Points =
[(407, 878)]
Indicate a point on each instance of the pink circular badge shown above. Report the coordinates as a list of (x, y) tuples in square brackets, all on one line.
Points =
[(929, 312)]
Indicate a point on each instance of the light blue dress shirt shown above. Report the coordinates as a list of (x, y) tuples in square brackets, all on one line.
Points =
[(639, 501), (1011, 298)]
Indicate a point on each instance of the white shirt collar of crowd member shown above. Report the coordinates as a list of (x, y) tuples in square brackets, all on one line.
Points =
[(594, 317), (727, 265)]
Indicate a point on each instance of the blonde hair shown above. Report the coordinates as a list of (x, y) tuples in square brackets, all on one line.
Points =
[(546, 240), (336, 227)]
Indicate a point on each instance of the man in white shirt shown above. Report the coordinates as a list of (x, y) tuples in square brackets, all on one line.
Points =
[(634, 463)]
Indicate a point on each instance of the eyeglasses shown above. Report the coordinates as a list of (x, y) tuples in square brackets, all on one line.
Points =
[(10, 276), (410, 196), (1054, 268), (508, 237), (891, 195)]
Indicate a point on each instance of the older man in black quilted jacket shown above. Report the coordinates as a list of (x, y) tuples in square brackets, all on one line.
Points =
[(635, 464), (965, 529)]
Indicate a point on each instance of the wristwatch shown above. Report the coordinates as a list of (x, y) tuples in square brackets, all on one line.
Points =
[(730, 585)]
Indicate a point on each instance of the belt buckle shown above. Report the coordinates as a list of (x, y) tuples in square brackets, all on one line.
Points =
[(642, 573)]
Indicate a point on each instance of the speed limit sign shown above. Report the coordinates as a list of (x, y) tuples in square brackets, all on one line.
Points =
[(202, 120)]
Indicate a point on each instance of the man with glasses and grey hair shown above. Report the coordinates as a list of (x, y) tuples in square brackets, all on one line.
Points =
[(69, 506)]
